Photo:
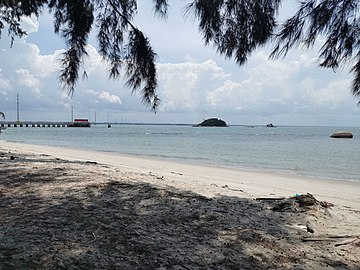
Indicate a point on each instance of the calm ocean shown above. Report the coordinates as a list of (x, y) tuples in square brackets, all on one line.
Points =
[(307, 151)]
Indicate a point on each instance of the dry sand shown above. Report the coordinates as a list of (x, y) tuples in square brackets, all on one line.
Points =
[(75, 209)]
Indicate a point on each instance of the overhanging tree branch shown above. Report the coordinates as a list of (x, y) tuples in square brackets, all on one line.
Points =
[(235, 27), (337, 21)]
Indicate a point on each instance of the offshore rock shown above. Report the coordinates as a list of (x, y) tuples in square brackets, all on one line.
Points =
[(342, 134)]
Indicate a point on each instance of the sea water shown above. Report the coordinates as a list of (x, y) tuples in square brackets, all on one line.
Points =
[(304, 151)]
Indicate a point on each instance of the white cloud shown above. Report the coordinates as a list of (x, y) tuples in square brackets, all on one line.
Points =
[(94, 63), (25, 78), (30, 25), (260, 89), (107, 97), (5, 84), (46, 65), (330, 96), (183, 85)]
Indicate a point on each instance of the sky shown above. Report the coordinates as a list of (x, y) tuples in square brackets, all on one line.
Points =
[(194, 81)]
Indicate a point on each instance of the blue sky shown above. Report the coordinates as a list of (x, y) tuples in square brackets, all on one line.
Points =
[(194, 82)]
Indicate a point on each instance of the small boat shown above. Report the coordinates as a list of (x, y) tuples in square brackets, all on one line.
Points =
[(109, 125)]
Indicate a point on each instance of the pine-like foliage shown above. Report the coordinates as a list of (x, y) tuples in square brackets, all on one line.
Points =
[(11, 12), (234, 27), (335, 21), (120, 42)]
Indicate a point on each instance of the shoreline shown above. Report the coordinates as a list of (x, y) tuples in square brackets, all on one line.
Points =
[(209, 178), (195, 162), (293, 151)]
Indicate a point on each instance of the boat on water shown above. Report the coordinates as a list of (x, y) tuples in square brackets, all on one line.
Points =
[(80, 123)]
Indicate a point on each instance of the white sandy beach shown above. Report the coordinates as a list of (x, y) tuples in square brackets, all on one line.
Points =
[(66, 208), (207, 179)]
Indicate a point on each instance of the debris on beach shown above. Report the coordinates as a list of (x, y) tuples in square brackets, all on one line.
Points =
[(296, 203)]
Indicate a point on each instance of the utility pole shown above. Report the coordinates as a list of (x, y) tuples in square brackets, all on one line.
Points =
[(72, 113), (17, 108)]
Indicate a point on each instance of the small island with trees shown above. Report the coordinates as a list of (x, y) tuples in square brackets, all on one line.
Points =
[(212, 122)]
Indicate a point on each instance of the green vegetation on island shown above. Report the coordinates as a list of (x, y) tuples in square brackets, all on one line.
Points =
[(212, 122)]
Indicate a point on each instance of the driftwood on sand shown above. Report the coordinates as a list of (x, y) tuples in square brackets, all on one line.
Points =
[(57, 214), (352, 239)]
